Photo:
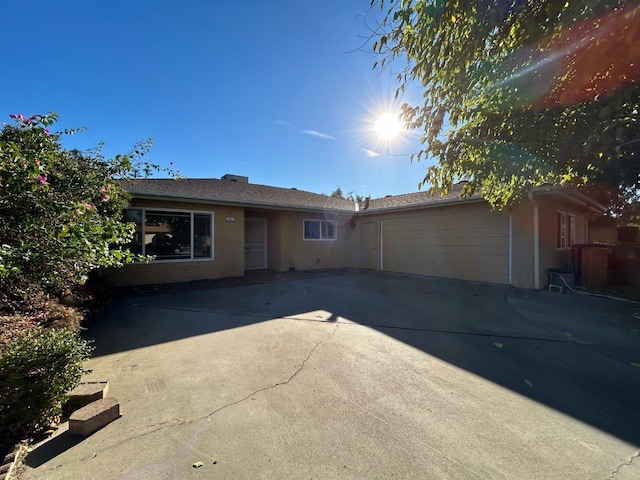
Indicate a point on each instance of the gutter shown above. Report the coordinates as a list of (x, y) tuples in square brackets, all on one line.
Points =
[(536, 243)]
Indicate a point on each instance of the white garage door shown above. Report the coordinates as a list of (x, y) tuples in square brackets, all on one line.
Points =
[(468, 242)]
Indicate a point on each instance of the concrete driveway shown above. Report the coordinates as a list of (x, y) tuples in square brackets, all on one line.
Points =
[(362, 375)]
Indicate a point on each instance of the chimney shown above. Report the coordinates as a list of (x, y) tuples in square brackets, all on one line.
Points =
[(235, 178)]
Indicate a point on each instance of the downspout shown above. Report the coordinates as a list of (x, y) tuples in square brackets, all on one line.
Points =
[(511, 249), (536, 244), (381, 257)]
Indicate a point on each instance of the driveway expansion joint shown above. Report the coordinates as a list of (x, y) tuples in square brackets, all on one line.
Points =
[(623, 464)]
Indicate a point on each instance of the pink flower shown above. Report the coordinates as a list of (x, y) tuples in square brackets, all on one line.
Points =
[(37, 162), (79, 212), (102, 189), (46, 130), (88, 206), (42, 179), (106, 198)]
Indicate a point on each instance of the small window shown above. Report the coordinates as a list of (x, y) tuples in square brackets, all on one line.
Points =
[(319, 230), (561, 230)]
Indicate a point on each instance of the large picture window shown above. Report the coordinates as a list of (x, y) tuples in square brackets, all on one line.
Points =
[(319, 230), (172, 235)]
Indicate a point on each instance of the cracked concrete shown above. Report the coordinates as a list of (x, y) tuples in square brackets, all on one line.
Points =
[(275, 385), (628, 470), (385, 376)]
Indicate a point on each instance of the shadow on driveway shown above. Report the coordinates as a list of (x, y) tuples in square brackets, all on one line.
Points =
[(572, 353)]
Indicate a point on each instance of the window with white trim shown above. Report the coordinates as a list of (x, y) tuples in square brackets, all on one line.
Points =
[(561, 230), (172, 234), (319, 230)]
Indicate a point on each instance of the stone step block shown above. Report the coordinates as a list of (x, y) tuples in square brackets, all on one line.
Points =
[(94, 416), (85, 393)]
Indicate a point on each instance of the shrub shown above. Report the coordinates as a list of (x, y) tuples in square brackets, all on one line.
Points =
[(60, 210), (36, 372)]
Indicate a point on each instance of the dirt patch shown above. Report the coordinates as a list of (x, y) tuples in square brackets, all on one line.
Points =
[(106, 294), (111, 293), (45, 314)]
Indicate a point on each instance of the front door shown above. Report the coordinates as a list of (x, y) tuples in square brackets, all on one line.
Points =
[(255, 243), (370, 252)]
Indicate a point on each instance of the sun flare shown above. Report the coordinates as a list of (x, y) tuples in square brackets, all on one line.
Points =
[(388, 126)]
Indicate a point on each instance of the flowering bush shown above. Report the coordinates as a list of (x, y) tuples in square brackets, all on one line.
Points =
[(60, 210)]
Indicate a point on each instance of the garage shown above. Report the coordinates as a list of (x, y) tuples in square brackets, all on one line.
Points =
[(467, 242)]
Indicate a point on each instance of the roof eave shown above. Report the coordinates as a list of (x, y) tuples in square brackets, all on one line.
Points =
[(572, 195), (146, 195), (419, 206)]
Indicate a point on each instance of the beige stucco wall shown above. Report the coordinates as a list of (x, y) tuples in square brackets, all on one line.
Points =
[(467, 241), (228, 253), (471, 241), (550, 256), (522, 244), (314, 254)]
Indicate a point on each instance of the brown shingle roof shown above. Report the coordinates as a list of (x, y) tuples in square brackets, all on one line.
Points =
[(238, 193), (419, 199), (250, 194)]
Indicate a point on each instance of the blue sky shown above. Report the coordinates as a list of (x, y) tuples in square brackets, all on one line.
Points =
[(274, 90)]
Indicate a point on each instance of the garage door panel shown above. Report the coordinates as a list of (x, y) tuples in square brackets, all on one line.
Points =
[(470, 263), (479, 273), (421, 224), (490, 242), (417, 252), (457, 233), (470, 259), (466, 242)]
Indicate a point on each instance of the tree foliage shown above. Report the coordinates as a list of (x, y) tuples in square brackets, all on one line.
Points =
[(60, 210), (533, 92), (354, 197)]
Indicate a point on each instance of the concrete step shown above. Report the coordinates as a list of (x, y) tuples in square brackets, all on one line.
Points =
[(94, 416), (85, 393)]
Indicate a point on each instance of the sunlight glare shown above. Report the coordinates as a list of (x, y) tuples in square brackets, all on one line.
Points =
[(388, 126)]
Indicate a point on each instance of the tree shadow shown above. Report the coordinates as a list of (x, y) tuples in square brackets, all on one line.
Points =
[(568, 352)]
